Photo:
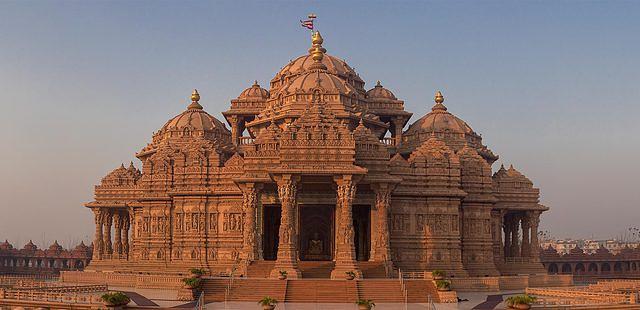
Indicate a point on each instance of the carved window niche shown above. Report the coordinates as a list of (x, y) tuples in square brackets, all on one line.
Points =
[(232, 222), (213, 222), (179, 220), (420, 222), (400, 223)]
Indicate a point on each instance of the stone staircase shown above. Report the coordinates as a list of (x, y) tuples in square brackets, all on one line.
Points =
[(418, 291), (243, 289), (382, 291), (321, 291), (260, 269), (316, 269), (373, 270)]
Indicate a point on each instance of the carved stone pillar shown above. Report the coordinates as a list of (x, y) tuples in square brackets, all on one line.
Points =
[(525, 247), (97, 243), (108, 219), (235, 135), (497, 220), (287, 259), (125, 234), (250, 199), (380, 238), (132, 235), (535, 246), (345, 245), (397, 128), (507, 236), (117, 227), (515, 236)]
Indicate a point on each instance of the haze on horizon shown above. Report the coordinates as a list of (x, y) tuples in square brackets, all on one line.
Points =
[(552, 86)]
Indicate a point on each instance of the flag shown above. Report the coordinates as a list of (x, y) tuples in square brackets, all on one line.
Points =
[(307, 23)]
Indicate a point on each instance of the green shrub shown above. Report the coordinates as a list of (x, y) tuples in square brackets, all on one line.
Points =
[(438, 273), (267, 301), (521, 300), (197, 271), (283, 273), (443, 284), (350, 274), (365, 302), (191, 282), (115, 298)]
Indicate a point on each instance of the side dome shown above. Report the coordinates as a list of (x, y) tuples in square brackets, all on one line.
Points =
[(255, 92), (380, 93), (122, 176), (30, 246), (455, 132), (192, 123), (6, 246), (511, 178)]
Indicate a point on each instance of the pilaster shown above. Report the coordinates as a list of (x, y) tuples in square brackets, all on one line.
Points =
[(287, 258), (345, 245)]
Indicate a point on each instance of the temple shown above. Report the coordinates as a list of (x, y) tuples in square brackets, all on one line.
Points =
[(317, 177)]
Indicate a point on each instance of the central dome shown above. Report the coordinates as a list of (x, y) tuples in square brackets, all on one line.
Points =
[(305, 63)]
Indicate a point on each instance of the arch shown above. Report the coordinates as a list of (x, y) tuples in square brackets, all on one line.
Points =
[(617, 267), (566, 268), (605, 268), (579, 269), (553, 268), (634, 267), (593, 268)]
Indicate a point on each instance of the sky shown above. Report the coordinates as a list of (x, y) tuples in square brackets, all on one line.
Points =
[(552, 86)]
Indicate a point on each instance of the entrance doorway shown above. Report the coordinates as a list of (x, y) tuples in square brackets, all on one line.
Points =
[(271, 234), (362, 229), (316, 229)]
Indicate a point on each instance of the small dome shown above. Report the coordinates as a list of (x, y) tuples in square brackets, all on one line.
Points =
[(379, 92), (318, 79), (81, 248), (30, 246), (122, 176), (194, 122), (55, 247), (6, 245), (303, 64), (576, 251), (254, 92), (511, 175), (439, 120)]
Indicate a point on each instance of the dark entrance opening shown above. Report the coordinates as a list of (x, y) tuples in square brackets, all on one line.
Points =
[(362, 229), (271, 234), (316, 229)]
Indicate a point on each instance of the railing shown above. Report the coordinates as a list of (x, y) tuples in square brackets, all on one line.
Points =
[(518, 259), (403, 288), (388, 141), (245, 140), (199, 302), (76, 298), (64, 289), (571, 296)]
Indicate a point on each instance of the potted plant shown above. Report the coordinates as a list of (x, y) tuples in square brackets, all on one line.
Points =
[(197, 272), (191, 283), (443, 285), (268, 303), (283, 275), (438, 274), (350, 275), (365, 304), (115, 299), (521, 302)]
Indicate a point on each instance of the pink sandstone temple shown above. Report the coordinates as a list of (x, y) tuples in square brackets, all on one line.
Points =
[(317, 177)]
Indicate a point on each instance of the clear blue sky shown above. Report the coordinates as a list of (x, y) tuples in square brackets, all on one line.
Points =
[(553, 86)]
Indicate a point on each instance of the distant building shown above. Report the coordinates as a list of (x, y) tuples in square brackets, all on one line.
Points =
[(588, 246), (31, 260)]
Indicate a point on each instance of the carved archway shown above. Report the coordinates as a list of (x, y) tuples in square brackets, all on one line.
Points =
[(579, 269), (566, 268), (617, 267), (605, 268), (593, 268), (553, 268)]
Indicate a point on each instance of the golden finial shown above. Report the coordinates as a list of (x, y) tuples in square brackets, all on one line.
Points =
[(439, 98), (317, 51), (378, 84), (195, 97)]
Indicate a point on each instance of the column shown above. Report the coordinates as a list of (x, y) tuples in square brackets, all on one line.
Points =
[(97, 243), (250, 196), (235, 135), (498, 248), (397, 128), (507, 236), (125, 234), (287, 258), (132, 235), (345, 246), (525, 250), (108, 219), (380, 237), (117, 227), (535, 247), (515, 227)]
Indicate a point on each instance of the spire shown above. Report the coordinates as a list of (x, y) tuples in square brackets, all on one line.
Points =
[(317, 51), (378, 84), (439, 99), (195, 97)]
